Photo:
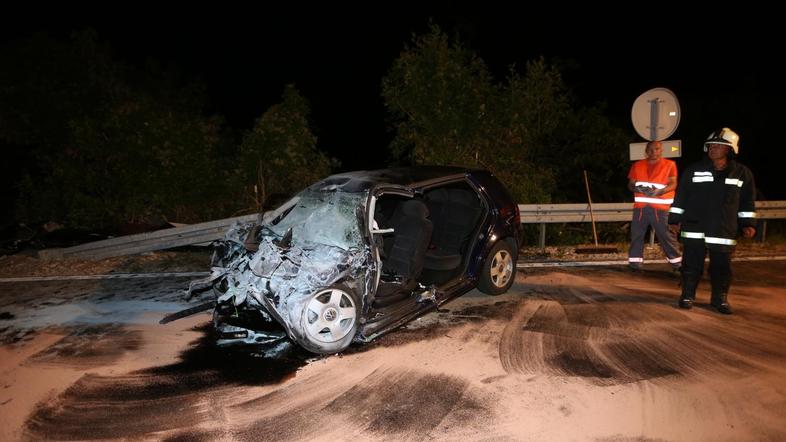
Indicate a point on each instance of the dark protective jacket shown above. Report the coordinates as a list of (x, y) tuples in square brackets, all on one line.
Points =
[(714, 205)]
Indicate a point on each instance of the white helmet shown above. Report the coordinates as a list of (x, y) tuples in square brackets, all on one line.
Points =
[(724, 136)]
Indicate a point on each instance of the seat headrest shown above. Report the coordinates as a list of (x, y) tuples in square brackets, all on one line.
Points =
[(465, 197), (414, 208), (440, 195)]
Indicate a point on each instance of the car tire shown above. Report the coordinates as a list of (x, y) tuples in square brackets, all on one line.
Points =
[(330, 320), (499, 269)]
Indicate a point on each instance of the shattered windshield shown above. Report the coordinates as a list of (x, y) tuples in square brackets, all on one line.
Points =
[(324, 217)]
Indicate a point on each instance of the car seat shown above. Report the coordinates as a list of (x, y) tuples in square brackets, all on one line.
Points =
[(411, 236)]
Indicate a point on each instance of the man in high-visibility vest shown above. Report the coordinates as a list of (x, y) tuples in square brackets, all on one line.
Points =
[(652, 181), (715, 202)]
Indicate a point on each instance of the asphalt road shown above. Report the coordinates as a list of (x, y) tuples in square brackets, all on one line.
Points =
[(579, 353)]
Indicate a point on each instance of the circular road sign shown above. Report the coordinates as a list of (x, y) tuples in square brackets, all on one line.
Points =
[(656, 114)]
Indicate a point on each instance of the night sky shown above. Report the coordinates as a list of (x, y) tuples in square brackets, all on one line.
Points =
[(719, 63)]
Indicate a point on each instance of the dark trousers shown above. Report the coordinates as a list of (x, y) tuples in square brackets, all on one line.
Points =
[(694, 251), (658, 219)]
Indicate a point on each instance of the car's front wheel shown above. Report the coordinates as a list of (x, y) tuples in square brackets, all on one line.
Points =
[(499, 270), (330, 320)]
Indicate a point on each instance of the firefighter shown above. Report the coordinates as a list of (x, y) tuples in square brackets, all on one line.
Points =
[(652, 181), (715, 198)]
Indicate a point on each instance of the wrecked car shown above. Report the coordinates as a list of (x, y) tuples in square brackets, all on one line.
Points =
[(358, 254)]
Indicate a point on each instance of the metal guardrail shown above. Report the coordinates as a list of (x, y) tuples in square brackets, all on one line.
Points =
[(213, 230), (574, 213), (607, 212), (147, 242), (615, 212)]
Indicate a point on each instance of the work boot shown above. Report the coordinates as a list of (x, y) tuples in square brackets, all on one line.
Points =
[(720, 289), (686, 303), (720, 303), (689, 283)]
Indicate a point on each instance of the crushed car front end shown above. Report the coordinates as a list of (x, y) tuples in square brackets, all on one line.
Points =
[(304, 274)]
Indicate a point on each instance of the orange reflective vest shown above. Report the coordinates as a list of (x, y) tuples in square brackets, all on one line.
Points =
[(655, 177)]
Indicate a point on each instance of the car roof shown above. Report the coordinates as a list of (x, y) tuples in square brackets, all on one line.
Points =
[(413, 176)]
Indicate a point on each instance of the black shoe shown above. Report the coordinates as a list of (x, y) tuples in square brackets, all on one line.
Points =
[(686, 303), (634, 269), (724, 308), (720, 303)]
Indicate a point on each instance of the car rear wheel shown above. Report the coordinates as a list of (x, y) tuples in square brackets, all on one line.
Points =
[(330, 320), (499, 270)]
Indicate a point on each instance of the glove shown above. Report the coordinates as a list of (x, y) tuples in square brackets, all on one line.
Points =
[(649, 191)]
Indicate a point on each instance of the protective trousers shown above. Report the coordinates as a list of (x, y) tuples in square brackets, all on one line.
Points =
[(658, 219), (693, 267)]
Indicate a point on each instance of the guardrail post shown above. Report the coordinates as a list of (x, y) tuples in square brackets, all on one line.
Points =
[(542, 236)]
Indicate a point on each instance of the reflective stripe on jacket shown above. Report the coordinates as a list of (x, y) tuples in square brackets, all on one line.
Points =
[(657, 179), (711, 205)]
